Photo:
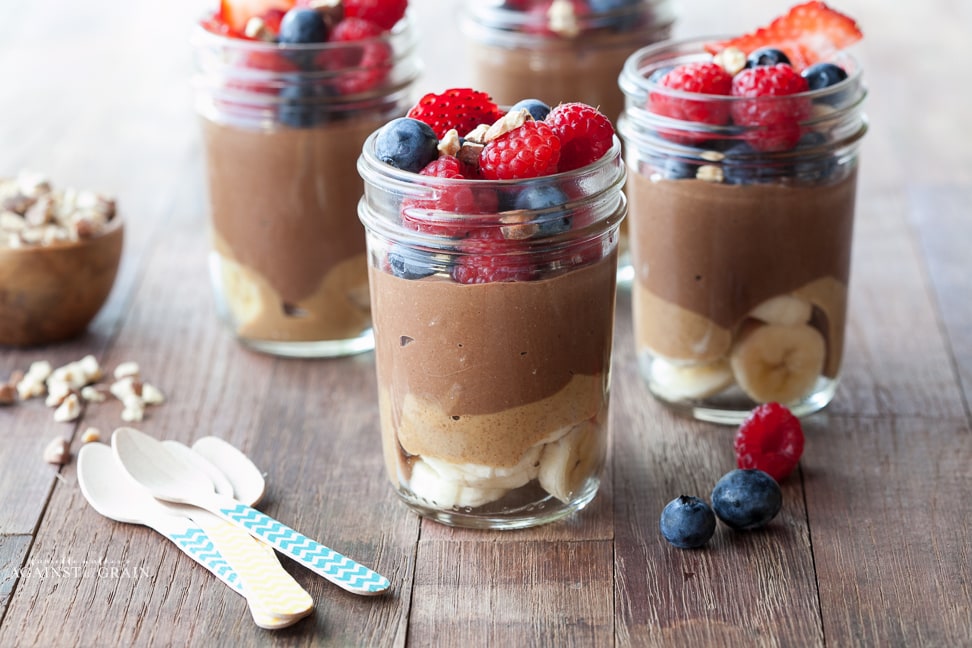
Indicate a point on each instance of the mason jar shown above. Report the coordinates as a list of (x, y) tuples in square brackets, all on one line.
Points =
[(493, 328), (741, 249), (282, 129)]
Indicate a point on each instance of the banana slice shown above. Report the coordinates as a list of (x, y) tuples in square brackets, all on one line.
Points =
[(489, 477), (778, 363), (677, 382), (783, 309), (667, 329), (441, 491), (566, 464), (242, 293), (830, 296)]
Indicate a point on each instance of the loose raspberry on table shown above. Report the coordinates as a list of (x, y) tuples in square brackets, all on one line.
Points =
[(460, 108), (770, 439), (384, 13), (530, 151), (705, 78), (585, 134), (776, 122)]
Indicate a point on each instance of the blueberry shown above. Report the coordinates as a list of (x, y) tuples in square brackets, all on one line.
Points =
[(537, 109), (766, 56), (744, 165), (302, 25), (300, 105), (746, 499), (411, 263), (815, 164), (545, 197), (674, 168), (407, 144), (618, 13), (687, 522), (823, 75)]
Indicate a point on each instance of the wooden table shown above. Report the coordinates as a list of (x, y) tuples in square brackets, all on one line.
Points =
[(873, 547)]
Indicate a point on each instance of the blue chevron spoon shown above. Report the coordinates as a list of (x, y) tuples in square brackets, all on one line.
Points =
[(168, 477)]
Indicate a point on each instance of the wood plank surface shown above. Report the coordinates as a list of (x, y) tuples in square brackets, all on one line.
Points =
[(872, 547)]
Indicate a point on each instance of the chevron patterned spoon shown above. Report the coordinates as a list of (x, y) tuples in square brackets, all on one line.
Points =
[(170, 478)]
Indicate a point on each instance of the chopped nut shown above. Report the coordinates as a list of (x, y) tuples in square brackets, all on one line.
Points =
[(32, 213), (12, 222), (477, 135), (709, 173), (56, 393), (516, 227), (69, 409), (58, 451), (90, 368), (562, 20), (152, 395), (134, 409), (469, 153), (91, 435), (506, 123), (41, 212), (712, 156), (256, 28), (126, 387), (8, 394), (731, 59), (126, 369), (449, 144), (93, 394), (33, 383), (32, 184)]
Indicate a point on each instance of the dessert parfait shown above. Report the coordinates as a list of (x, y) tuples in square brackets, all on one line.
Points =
[(742, 157), (287, 92), (492, 238)]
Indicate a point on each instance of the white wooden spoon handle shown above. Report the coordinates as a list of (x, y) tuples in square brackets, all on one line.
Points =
[(335, 567)]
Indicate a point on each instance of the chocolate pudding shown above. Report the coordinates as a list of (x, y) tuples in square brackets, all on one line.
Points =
[(478, 380), (289, 250)]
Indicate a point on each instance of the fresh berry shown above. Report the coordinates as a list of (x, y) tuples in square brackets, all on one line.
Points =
[(407, 262), (823, 75), (766, 56), (809, 33), (487, 258), (770, 439), (746, 499), (550, 202), (460, 108), (585, 134), (687, 522), (530, 151), (358, 69), (446, 212), (537, 109), (774, 122), (236, 13), (701, 78), (302, 25), (384, 13), (300, 105), (406, 144)]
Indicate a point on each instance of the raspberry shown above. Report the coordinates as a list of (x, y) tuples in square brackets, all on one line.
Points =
[(809, 33), (701, 78), (419, 214), (359, 68), (771, 440), (776, 122), (384, 13), (585, 134), (461, 108), (530, 151), (487, 258)]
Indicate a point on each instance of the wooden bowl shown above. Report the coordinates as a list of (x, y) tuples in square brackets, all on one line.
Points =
[(51, 293)]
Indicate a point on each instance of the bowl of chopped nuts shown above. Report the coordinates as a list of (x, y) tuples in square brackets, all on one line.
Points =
[(59, 254)]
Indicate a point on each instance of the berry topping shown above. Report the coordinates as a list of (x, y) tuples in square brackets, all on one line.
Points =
[(823, 75), (359, 69), (771, 440), (460, 108), (549, 200), (236, 13), (384, 13), (537, 109), (766, 56), (809, 33), (776, 122), (530, 151), (303, 25), (488, 259), (585, 134), (702, 78), (746, 499), (406, 144), (687, 522)]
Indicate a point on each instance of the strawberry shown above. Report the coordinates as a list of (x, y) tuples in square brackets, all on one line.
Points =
[(384, 13), (809, 33), (585, 134), (773, 124), (363, 67), (461, 108), (236, 13), (704, 78), (530, 151), (770, 439)]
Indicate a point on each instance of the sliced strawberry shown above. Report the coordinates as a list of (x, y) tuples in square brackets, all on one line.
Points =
[(236, 13), (461, 108), (809, 33)]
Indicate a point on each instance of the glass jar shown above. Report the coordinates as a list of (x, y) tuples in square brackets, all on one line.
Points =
[(283, 126), (741, 239), (493, 338)]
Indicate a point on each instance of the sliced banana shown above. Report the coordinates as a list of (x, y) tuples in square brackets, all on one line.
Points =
[(442, 492), (783, 309), (241, 292), (677, 382), (667, 329), (778, 363), (489, 477), (830, 296), (566, 464)]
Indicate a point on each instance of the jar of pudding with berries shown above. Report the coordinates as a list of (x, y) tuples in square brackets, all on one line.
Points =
[(287, 95)]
